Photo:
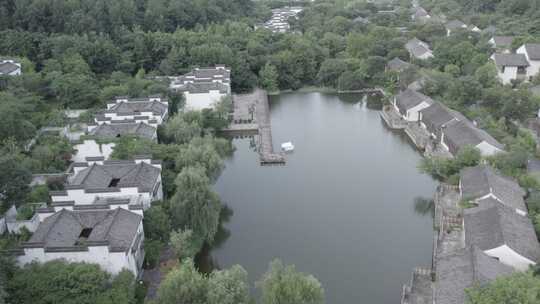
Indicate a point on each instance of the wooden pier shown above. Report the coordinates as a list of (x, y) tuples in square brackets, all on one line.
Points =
[(266, 149), (251, 116)]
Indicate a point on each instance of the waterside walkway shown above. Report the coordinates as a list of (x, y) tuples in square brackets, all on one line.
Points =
[(416, 133), (251, 116)]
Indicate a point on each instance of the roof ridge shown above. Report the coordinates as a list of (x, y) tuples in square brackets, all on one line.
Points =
[(88, 173), (113, 214), (136, 167), (60, 213)]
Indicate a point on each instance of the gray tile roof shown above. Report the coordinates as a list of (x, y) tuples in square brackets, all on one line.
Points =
[(397, 64), (118, 228), (98, 177), (493, 224), (533, 165), (8, 67), (482, 180), (458, 134), (517, 60), (116, 130), (503, 41), (455, 24), (130, 107), (408, 99), (204, 87), (490, 29), (210, 73), (535, 90), (436, 116), (461, 270), (533, 50), (417, 47), (420, 12)]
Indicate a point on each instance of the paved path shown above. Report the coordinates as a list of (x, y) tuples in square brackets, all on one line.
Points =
[(251, 115)]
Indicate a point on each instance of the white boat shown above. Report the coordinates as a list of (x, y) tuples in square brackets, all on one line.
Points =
[(287, 146)]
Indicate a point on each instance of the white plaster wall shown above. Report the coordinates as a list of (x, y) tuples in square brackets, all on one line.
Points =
[(509, 74), (487, 149), (201, 101), (80, 197), (90, 148), (534, 65), (112, 262), (413, 113), (534, 68), (157, 118), (509, 257), (425, 56), (31, 224), (3, 225)]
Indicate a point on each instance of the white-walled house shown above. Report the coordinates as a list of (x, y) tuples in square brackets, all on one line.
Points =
[(482, 182), (453, 26), (532, 53), (420, 15), (10, 67), (152, 110), (435, 117), (460, 133), (457, 271), (112, 239), (510, 67), (502, 233), (100, 139), (409, 103), (473, 28), (203, 87), (111, 184), (199, 96), (503, 44), (418, 49)]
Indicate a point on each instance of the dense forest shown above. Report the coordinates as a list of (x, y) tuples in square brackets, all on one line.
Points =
[(79, 54)]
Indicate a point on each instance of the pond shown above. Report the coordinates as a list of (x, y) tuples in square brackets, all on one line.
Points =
[(342, 208)]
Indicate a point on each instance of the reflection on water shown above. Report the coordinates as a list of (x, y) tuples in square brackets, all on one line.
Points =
[(204, 260), (340, 209), (424, 206)]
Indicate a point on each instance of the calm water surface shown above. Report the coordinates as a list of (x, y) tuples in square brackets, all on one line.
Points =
[(342, 208)]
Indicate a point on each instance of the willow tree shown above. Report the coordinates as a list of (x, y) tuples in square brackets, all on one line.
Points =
[(195, 205), (284, 285)]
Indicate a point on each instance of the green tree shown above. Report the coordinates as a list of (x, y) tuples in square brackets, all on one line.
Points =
[(203, 156), (284, 285), (268, 77), (14, 180), (70, 283), (184, 244), (523, 288), (13, 121), (180, 131), (228, 286), (487, 75), (156, 223), (330, 71), (183, 284), (195, 205), (122, 290)]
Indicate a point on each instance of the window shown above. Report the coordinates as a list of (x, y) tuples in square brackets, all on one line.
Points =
[(521, 70), (83, 236), (85, 233), (114, 182)]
